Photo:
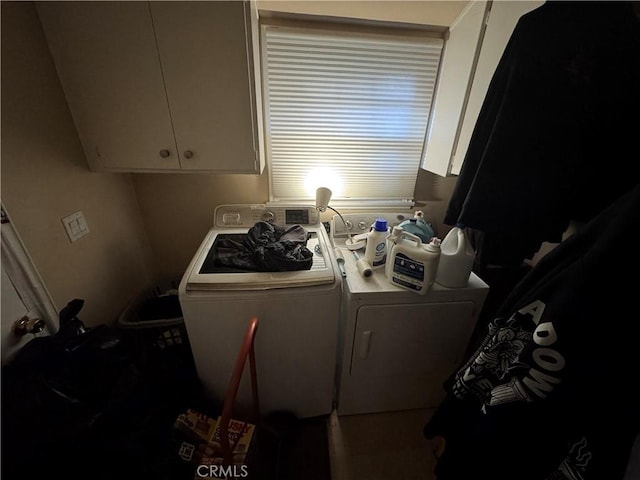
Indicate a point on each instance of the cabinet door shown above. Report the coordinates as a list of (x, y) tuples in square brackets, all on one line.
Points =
[(456, 74), (205, 59), (106, 57), (402, 354), (477, 40), (502, 21)]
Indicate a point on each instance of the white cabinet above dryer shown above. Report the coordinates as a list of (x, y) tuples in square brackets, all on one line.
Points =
[(159, 86), (476, 42)]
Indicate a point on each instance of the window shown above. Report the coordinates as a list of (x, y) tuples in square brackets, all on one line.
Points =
[(347, 110)]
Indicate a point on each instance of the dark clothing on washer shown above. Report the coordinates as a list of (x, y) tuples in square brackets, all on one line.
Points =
[(267, 248)]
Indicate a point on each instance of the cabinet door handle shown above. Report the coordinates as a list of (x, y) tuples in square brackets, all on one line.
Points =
[(188, 154), (365, 341), (165, 153)]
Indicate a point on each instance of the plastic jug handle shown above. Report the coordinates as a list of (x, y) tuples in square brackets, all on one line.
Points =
[(464, 244), (410, 236), (462, 240)]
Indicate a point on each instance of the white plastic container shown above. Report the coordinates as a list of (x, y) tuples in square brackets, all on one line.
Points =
[(413, 265), (392, 239), (375, 252), (456, 259)]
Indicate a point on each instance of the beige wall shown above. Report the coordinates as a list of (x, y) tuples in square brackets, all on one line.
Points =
[(178, 211), (432, 196), (45, 177)]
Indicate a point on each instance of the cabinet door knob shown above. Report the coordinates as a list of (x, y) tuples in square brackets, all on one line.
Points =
[(188, 154), (165, 153)]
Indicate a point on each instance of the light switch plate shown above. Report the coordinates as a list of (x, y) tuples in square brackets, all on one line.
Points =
[(75, 225)]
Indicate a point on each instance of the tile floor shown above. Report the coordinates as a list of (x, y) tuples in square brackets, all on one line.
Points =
[(380, 446)]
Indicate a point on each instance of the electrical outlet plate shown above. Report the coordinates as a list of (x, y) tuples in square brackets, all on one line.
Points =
[(75, 225)]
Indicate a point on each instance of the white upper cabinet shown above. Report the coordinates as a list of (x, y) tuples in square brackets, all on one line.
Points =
[(456, 72), (476, 42), (502, 21), (159, 86)]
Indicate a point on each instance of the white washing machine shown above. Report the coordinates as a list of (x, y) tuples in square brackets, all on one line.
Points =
[(296, 341), (397, 347)]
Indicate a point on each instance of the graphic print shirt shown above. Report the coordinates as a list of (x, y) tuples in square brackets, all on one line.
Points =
[(550, 393)]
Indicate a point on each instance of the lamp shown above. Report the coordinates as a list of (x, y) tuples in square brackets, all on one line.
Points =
[(323, 195)]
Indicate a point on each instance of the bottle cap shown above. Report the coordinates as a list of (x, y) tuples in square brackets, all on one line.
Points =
[(380, 225), (433, 245)]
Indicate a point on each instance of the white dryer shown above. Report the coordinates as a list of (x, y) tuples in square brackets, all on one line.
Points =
[(296, 341), (397, 347)]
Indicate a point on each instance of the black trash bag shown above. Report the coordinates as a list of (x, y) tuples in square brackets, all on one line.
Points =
[(81, 404), (55, 388), (267, 248)]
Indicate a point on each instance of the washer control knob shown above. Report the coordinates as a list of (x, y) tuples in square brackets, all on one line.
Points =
[(363, 225), (349, 224), (268, 217)]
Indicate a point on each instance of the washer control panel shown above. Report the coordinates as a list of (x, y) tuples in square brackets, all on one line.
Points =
[(355, 223), (239, 216)]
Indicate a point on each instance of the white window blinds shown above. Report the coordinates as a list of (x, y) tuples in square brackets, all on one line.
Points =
[(346, 110)]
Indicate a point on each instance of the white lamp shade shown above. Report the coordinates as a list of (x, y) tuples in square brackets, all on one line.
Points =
[(323, 195)]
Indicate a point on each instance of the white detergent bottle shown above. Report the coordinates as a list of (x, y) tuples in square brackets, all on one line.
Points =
[(392, 239), (413, 265), (375, 252), (456, 259)]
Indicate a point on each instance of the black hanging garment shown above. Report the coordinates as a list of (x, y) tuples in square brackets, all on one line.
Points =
[(556, 138), (267, 248), (551, 392)]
